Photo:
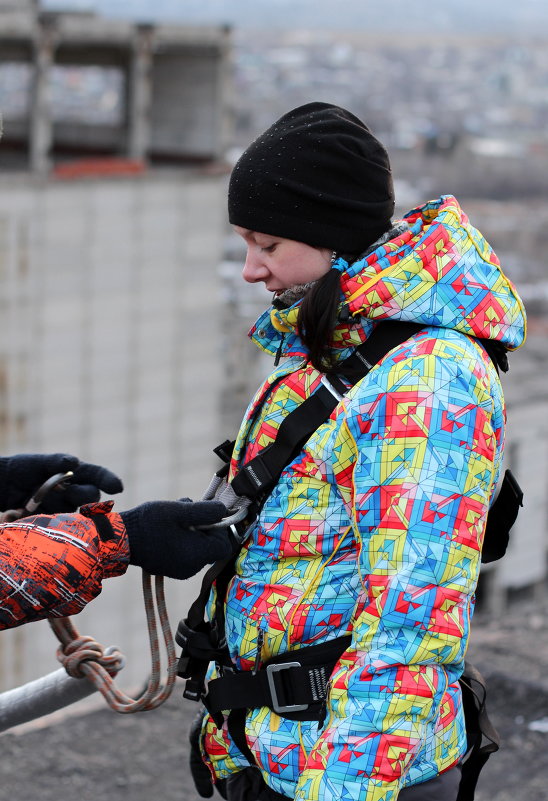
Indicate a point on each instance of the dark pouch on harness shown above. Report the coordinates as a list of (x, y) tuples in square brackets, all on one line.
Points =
[(502, 516), (482, 737)]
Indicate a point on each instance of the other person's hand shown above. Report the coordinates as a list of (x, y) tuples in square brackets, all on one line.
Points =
[(23, 474)]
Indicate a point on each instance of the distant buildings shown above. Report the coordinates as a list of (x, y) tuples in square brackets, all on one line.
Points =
[(470, 111)]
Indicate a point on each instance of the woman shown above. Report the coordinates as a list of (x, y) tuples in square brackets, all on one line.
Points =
[(374, 529)]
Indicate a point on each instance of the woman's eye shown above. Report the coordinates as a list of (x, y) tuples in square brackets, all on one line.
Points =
[(268, 248)]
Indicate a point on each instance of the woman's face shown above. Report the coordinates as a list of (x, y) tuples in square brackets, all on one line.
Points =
[(281, 263)]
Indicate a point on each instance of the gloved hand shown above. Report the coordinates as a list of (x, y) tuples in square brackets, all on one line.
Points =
[(22, 475), (163, 542), (198, 769)]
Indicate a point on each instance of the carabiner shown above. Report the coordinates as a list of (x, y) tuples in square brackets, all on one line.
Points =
[(58, 481), (226, 522)]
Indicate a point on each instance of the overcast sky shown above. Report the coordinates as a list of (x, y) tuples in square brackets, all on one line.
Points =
[(400, 16)]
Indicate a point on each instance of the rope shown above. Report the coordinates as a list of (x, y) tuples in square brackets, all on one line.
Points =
[(83, 657)]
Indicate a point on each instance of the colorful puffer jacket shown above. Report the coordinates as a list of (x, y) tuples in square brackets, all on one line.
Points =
[(53, 565), (375, 529)]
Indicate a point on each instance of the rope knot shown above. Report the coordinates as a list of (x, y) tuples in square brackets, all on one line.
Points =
[(82, 656), (77, 652)]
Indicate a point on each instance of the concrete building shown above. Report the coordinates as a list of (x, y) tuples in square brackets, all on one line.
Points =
[(523, 571), (172, 81), (110, 236)]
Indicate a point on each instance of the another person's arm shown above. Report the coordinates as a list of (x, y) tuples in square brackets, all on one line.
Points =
[(53, 563)]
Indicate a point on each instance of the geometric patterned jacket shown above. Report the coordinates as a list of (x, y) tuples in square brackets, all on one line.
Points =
[(375, 528)]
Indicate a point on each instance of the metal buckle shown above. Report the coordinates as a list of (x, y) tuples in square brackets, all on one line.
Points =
[(276, 706), (327, 384)]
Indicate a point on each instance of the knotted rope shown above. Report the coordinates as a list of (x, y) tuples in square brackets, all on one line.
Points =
[(83, 657)]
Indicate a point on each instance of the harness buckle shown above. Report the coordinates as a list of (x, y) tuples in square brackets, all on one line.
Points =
[(329, 386), (277, 706)]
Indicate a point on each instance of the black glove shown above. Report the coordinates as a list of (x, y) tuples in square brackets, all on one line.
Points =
[(162, 542), (199, 770), (22, 475)]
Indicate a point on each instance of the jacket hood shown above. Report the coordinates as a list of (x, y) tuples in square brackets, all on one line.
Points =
[(439, 271)]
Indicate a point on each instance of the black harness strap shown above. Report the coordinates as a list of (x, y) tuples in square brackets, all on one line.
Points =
[(386, 335), (203, 641), (236, 728), (262, 472), (293, 684)]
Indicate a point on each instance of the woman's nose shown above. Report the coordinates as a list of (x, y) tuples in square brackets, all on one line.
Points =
[(254, 270)]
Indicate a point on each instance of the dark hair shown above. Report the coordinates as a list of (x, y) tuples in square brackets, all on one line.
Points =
[(317, 318), (318, 314)]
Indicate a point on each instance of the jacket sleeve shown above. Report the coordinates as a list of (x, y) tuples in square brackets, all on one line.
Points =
[(425, 450), (52, 566)]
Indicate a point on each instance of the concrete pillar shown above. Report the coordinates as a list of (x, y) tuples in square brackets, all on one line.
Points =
[(41, 122), (140, 93), (224, 101)]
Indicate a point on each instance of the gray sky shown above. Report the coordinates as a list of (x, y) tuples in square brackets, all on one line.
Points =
[(400, 16)]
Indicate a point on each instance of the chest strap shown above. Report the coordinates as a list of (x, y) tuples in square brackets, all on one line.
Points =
[(293, 684)]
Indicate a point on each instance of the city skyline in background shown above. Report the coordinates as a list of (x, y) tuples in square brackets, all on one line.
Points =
[(453, 16)]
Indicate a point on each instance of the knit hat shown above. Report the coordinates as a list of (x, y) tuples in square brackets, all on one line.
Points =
[(317, 175)]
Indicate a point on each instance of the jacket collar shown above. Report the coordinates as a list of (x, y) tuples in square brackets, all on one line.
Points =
[(432, 268)]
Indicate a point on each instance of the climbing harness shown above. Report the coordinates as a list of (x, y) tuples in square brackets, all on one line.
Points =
[(83, 657), (294, 684), (203, 641)]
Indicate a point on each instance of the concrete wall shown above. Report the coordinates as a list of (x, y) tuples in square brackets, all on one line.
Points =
[(185, 108), (111, 349)]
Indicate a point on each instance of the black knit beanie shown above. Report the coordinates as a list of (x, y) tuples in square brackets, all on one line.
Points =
[(317, 175)]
